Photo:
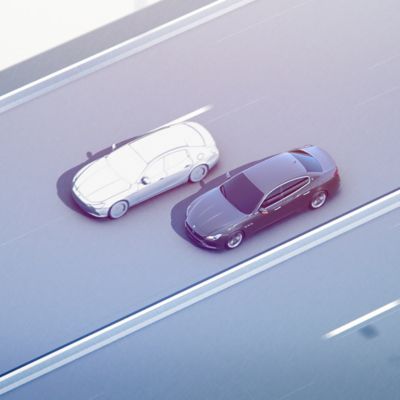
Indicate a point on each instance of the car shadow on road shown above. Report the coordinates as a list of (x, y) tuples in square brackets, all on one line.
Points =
[(64, 182), (369, 332), (178, 212)]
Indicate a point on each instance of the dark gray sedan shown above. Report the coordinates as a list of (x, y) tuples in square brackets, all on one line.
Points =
[(261, 195)]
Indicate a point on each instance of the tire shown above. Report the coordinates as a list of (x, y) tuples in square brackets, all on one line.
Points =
[(318, 199), (198, 173), (234, 240), (118, 209)]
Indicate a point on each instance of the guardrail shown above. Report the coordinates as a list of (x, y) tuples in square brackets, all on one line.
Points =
[(119, 52), (199, 291)]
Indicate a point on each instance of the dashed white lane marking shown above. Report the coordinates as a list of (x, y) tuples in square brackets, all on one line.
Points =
[(33, 230), (361, 320), (189, 116), (384, 62), (264, 20), (394, 89)]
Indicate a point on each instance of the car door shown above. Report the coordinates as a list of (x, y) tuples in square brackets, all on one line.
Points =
[(268, 212), (296, 194), (281, 202), (177, 165), (151, 182)]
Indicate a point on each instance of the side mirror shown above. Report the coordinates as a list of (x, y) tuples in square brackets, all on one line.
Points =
[(145, 180), (263, 211)]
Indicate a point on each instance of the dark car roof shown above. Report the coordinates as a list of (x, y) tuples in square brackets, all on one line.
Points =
[(275, 170)]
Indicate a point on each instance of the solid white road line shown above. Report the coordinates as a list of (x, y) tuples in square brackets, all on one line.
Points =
[(362, 319)]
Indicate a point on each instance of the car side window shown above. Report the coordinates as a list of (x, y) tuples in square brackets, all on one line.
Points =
[(177, 161), (273, 197), (155, 171), (292, 186)]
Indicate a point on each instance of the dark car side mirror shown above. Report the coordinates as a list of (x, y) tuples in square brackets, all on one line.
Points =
[(145, 180), (263, 211)]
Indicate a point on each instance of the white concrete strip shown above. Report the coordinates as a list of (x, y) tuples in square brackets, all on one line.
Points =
[(198, 292), (361, 320), (188, 116), (25, 25), (119, 52)]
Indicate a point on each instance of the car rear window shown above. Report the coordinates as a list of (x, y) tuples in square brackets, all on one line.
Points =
[(310, 163)]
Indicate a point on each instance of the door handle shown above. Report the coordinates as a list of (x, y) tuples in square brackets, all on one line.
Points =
[(277, 208), (306, 193)]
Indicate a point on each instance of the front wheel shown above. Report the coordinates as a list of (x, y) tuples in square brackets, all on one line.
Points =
[(198, 173), (318, 199), (118, 209), (235, 240)]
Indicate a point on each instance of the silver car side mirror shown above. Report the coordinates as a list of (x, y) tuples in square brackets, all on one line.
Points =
[(145, 180)]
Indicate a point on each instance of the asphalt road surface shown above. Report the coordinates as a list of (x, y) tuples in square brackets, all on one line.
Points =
[(278, 74), (264, 338)]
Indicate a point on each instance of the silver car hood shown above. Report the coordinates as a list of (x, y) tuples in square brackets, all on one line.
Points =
[(98, 182)]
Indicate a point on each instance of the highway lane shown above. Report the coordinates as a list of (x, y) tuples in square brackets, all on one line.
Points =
[(278, 75), (263, 338)]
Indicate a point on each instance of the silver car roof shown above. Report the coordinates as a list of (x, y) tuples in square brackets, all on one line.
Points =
[(166, 139)]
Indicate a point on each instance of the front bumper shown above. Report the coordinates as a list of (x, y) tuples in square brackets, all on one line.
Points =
[(201, 241), (88, 208)]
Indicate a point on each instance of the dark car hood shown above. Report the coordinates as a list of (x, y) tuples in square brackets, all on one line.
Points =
[(212, 213)]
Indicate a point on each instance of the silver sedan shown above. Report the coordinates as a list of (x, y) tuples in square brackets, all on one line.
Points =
[(144, 168)]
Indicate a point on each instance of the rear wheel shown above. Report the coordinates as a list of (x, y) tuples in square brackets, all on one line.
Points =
[(235, 240), (198, 173), (318, 199), (118, 209)]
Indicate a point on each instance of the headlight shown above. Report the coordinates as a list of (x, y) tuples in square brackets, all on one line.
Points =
[(98, 205), (214, 237)]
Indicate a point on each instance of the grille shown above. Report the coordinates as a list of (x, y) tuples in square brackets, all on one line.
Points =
[(193, 233), (81, 204)]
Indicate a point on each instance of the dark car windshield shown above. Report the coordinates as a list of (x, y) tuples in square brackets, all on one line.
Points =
[(310, 163), (242, 193)]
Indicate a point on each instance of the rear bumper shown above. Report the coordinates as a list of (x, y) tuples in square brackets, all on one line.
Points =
[(334, 183)]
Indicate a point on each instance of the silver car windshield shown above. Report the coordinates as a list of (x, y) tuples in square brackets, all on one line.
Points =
[(242, 193), (126, 163)]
